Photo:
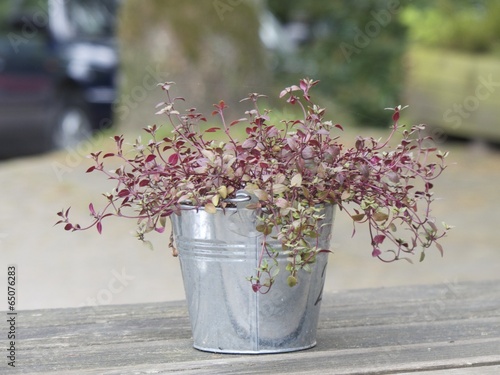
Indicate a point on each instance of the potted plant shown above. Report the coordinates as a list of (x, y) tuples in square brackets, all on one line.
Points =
[(252, 217)]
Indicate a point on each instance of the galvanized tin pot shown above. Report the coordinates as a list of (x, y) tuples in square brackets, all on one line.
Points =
[(217, 253)]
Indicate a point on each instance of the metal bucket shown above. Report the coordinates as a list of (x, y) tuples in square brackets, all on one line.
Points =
[(217, 253)]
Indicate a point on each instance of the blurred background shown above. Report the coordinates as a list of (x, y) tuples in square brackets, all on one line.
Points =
[(73, 73)]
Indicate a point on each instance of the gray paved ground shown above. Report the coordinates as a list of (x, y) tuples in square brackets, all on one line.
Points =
[(60, 269)]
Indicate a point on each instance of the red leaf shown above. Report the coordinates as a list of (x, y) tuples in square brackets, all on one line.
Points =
[(173, 159), (144, 183), (90, 169), (303, 85), (150, 158), (123, 193), (376, 253), (212, 130), (99, 227), (325, 251), (68, 227), (338, 126), (91, 208), (108, 155), (249, 143), (237, 121), (378, 239), (395, 116)]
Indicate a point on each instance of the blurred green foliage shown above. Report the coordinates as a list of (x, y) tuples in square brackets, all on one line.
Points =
[(192, 21), (464, 25), (356, 48), (8, 9), (211, 49)]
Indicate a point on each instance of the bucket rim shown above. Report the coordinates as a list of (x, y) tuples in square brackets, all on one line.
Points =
[(191, 207)]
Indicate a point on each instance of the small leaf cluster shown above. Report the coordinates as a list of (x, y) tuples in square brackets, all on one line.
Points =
[(293, 168)]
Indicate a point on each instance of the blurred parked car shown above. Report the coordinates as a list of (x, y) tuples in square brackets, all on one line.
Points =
[(58, 63)]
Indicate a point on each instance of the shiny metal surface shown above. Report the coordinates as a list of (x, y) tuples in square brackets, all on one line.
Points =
[(217, 253)]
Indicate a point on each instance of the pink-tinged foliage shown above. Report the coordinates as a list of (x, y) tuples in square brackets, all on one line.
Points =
[(292, 168), (173, 159), (212, 130), (378, 239), (150, 158)]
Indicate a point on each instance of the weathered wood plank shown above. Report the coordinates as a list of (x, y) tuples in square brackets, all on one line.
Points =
[(379, 331), (490, 370)]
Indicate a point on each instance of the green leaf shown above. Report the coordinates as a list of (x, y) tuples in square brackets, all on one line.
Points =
[(261, 194), (279, 188), (346, 194), (163, 221), (260, 228), (222, 190), (380, 216), (148, 244), (210, 208), (296, 180), (358, 217), (265, 229), (208, 154), (282, 203), (215, 200), (291, 281)]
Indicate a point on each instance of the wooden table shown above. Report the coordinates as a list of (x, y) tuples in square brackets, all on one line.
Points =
[(445, 329)]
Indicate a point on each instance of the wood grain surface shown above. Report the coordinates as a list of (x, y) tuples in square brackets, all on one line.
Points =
[(444, 329)]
